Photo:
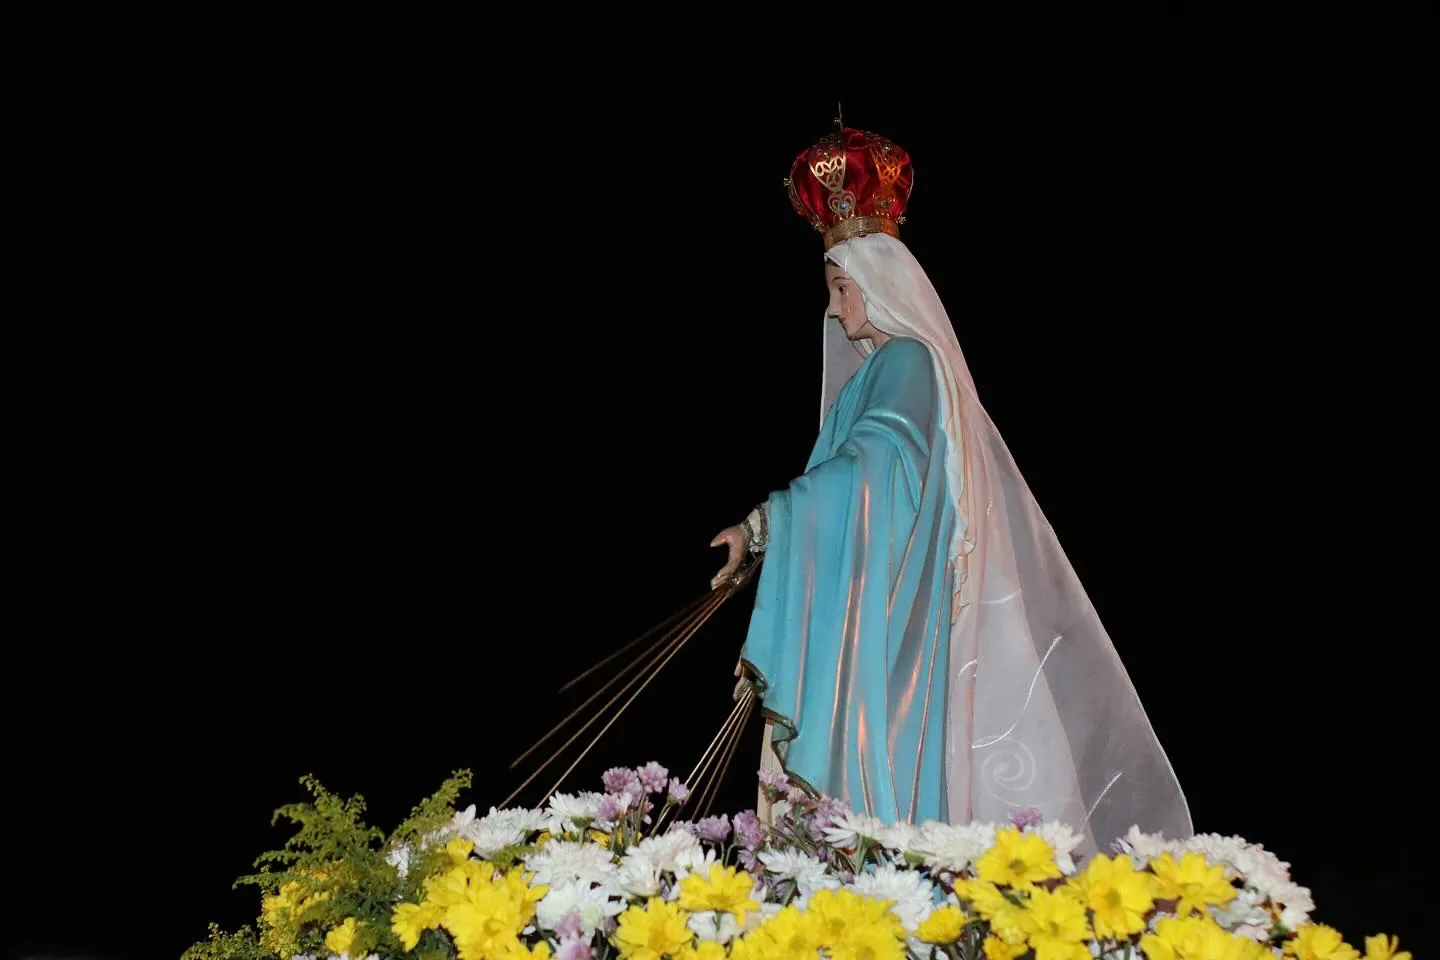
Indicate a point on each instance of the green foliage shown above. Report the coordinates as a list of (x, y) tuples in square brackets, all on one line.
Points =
[(335, 867), (240, 945)]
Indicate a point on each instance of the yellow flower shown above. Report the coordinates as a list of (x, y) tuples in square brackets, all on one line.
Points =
[(342, 938), (997, 949), (789, 933), (411, 920), (726, 890), (1198, 938), (869, 941), (458, 850), (1058, 926), (1018, 860), (657, 931), (942, 926), (838, 914), (1120, 897), (704, 950), (1316, 941), (1381, 947), (1008, 920), (1193, 882)]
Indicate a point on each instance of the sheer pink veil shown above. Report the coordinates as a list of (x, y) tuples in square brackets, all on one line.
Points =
[(1040, 711)]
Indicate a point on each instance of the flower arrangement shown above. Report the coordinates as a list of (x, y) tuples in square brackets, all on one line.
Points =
[(613, 874)]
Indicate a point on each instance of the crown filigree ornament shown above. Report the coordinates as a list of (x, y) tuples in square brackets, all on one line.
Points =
[(851, 183)]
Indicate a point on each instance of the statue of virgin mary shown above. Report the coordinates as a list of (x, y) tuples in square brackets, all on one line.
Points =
[(922, 648)]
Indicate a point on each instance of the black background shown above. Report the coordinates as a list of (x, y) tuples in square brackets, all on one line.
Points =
[(361, 394)]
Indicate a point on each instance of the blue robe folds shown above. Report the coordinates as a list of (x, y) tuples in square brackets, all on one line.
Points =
[(849, 639)]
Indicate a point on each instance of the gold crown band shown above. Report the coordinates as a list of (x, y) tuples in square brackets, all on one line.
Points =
[(858, 227)]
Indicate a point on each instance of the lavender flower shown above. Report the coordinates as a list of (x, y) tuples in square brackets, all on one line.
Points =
[(747, 859), (574, 948), (1025, 817), (748, 830), (572, 926), (612, 808), (775, 779), (829, 811), (652, 777), (618, 779), (678, 791), (714, 829)]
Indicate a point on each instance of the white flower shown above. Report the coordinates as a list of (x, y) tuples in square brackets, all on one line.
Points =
[(808, 873), (565, 808), (1244, 915), (643, 864), (848, 831), (1144, 847), (913, 894), (952, 847), (1298, 904), (563, 861), (690, 860), (1062, 840), (593, 904), (399, 858), (499, 829), (717, 926), (899, 836)]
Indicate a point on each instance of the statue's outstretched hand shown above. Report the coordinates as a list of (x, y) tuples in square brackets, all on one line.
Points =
[(734, 539)]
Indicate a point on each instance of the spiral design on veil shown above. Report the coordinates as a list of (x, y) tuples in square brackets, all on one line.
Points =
[(1006, 774)]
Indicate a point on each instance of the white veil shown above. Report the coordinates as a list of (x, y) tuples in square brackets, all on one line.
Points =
[(1040, 712)]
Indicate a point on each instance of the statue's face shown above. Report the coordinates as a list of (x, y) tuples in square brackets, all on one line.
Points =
[(847, 303)]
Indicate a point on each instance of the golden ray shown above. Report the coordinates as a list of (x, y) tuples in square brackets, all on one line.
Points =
[(707, 606), (736, 735), (672, 646), (742, 706)]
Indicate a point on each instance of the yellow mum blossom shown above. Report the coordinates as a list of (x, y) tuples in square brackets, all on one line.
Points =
[(458, 850), (869, 941), (942, 926), (1120, 897), (342, 938), (1008, 920), (838, 914), (791, 932), (1018, 860), (725, 889), (659, 930), (1198, 938), (1317, 941), (1381, 947), (1059, 927), (704, 950), (1192, 881), (411, 920), (997, 949)]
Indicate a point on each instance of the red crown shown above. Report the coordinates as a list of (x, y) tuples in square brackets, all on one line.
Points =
[(852, 183)]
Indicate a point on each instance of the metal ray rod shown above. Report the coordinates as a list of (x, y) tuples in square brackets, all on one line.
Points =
[(741, 705), (736, 735), (673, 646), (678, 615), (659, 645), (653, 674)]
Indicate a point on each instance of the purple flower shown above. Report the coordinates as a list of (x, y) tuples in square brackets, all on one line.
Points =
[(574, 948), (775, 779), (827, 813), (1025, 817), (617, 779), (612, 808), (678, 791), (747, 859), (748, 830), (652, 777), (714, 829), (572, 926)]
